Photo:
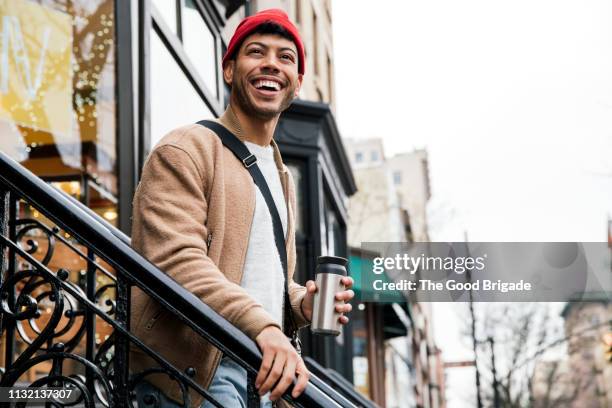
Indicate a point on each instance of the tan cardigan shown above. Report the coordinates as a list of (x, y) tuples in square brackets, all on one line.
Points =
[(192, 217)]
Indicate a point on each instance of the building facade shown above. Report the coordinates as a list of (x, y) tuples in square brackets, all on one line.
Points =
[(88, 87), (409, 176), (583, 378), (590, 372)]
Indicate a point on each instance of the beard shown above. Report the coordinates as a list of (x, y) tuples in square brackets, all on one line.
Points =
[(247, 105)]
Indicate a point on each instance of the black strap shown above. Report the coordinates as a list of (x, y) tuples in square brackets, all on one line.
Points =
[(249, 160)]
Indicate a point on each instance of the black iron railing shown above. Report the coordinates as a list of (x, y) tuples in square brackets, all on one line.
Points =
[(66, 323)]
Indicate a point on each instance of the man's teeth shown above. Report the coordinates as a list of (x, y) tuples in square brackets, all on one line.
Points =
[(268, 84)]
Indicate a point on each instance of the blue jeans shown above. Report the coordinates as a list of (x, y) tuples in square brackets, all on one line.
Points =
[(228, 387)]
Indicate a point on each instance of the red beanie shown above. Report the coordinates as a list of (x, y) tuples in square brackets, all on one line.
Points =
[(250, 24)]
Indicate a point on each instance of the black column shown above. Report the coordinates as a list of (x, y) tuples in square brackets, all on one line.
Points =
[(124, 96)]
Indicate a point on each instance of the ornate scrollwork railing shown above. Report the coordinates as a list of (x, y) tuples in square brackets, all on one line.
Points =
[(64, 319)]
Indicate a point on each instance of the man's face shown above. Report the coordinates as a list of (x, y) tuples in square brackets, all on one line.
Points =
[(264, 75)]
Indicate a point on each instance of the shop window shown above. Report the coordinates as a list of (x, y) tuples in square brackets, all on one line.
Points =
[(199, 44), (174, 100), (57, 89)]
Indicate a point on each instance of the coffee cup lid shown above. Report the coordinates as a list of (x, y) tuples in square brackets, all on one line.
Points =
[(336, 260)]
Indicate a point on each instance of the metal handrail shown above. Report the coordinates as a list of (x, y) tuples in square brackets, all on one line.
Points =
[(113, 246)]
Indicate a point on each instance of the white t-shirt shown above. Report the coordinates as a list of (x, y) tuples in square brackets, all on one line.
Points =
[(263, 276)]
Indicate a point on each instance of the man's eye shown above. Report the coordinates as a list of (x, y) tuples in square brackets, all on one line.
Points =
[(287, 57), (255, 51)]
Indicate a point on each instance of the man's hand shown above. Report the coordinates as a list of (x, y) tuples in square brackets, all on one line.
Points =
[(279, 365), (345, 295)]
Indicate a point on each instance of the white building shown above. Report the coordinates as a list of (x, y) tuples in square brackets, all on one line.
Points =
[(375, 214), (397, 186)]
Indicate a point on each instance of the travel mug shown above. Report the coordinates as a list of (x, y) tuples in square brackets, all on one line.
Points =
[(329, 273)]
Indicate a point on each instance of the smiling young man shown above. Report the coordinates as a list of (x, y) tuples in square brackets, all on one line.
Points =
[(200, 218)]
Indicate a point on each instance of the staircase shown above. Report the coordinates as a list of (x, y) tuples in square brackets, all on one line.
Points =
[(64, 320)]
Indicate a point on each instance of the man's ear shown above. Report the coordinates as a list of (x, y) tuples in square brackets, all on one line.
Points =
[(228, 72), (297, 88)]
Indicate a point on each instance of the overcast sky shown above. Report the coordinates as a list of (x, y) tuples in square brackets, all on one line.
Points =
[(512, 100)]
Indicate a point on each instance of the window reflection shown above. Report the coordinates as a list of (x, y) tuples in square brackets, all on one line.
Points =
[(91, 193), (199, 44), (174, 101), (57, 87)]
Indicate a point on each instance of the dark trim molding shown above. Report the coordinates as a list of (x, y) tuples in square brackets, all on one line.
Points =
[(215, 10), (210, 14), (321, 111), (124, 97), (179, 18)]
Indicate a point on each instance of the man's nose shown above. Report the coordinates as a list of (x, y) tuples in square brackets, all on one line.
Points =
[(271, 63)]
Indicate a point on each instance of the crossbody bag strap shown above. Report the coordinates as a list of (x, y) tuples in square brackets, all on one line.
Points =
[(249, 160)]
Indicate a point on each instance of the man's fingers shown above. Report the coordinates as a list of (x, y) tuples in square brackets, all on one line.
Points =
[(347, 281), (266, 365), (302, 379), (345, 308), (311, 286), (286, 379), (274, 374), (345, 295), (343, 319)]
